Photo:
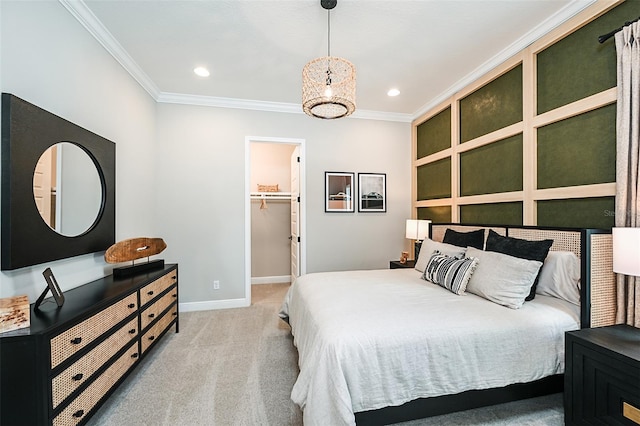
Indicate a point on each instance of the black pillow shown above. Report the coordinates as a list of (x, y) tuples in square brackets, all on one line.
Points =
[(524, 249), (464, 239)]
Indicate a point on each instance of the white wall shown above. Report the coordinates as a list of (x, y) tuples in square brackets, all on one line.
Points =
[(201, 213), (50, 60), (180, 169)]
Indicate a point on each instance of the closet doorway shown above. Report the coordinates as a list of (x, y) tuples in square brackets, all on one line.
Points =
[(275, 211)]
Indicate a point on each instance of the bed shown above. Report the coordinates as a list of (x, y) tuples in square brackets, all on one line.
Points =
[(379, 347)]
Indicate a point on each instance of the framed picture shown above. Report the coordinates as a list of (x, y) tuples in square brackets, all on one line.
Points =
[(372, 192), (339, 190), (52, 285)]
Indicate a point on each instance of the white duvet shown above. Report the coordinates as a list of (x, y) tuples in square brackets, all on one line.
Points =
[(370, 339)]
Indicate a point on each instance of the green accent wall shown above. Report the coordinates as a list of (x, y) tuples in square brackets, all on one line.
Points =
[(434, 180), (578, 212), (434, 135), (495, 105), (492, 168), (578, 66), (440, 214), (580, 150), (492, 214)]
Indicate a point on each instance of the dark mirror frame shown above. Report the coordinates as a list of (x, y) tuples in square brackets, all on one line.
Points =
[(27, 131)]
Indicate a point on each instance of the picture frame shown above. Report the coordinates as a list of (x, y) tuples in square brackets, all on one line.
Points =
[(372, 192), (339, 192), (52, 285)]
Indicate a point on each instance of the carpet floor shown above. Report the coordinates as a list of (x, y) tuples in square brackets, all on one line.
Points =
[(237, 367)]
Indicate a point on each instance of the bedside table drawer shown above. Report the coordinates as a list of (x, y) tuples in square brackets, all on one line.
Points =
[(602, 377)]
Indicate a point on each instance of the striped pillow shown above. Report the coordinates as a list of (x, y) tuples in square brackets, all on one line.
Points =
[(449, 272)]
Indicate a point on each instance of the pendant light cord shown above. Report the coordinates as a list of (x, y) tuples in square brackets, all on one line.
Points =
[(329, 32)]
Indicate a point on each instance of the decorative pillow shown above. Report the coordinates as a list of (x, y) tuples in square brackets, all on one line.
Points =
[(429, 246), (449, 272), (524, 249), (500, 278), (560, 276), (464, 239)]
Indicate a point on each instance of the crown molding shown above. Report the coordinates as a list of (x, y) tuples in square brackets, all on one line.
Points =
[(211, 101), (85, 16), (517, 46)]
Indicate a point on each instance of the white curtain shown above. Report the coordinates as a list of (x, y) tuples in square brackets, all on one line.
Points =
[(627, 160)]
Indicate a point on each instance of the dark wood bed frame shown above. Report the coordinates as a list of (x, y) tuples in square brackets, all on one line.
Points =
[(596, 277)]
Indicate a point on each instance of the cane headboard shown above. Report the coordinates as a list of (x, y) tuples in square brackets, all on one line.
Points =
[(592, 246)]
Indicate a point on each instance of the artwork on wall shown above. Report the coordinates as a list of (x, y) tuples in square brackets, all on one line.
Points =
[(339, 190), (372, 192)]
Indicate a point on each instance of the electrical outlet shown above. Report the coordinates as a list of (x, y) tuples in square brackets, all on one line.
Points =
[(216, 285)]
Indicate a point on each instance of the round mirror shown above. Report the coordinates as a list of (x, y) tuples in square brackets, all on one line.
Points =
[(67, 189)]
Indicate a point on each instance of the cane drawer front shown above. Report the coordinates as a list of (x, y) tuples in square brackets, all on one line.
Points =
[(150, 291), (77, 337), (80, 371), (78, 409), (156, 330), (149, 314)]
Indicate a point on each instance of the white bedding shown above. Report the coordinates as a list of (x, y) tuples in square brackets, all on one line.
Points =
[(370, 339)]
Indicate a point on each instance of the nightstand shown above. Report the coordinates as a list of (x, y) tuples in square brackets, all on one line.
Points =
[(602, 376), (395, 264)]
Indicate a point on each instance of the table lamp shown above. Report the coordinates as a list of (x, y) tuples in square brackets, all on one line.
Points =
[(418, 230), (626, 251)]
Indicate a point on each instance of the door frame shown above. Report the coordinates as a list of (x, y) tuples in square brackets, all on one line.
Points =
[(247, 205)]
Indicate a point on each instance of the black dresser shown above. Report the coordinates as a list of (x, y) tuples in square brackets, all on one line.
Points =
[(602, 376), (67, 363)]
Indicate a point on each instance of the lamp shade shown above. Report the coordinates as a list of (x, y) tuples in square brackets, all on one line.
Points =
[(329, 88), (417, 229), (626, 251)]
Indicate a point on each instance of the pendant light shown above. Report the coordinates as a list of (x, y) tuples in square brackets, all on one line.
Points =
[(329, 83)]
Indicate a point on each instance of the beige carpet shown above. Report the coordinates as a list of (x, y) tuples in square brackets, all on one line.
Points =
[(237, 367)]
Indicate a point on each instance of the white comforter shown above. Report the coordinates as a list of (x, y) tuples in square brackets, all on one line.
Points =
[(370, 339)]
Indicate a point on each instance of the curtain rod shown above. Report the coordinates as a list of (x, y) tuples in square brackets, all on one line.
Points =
[(607, 36)]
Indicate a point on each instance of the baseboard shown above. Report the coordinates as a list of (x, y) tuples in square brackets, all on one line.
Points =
[(210, 305), (271, 280)]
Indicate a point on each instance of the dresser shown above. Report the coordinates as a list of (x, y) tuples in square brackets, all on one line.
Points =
[(602, 376), (67, 363)]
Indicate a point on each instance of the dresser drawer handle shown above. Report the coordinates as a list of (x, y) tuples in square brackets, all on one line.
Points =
[(78, 376), (152, 337), (134, 356), (150, 292), (132, 331), (76, 341), (152, 315), (131, 305), (78, 414), (174, 277), (175, 314), (175, 295)]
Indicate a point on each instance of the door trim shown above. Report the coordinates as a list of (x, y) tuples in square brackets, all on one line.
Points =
[(247, 205)]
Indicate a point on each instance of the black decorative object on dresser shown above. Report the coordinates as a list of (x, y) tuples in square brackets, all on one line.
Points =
[(602, 376), (62, 368)]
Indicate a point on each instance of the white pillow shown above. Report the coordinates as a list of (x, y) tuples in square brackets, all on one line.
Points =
[(500, 278), (429, 246), (560, 276)]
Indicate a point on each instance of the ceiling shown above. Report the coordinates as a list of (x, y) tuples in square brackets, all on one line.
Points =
[(255, 49)]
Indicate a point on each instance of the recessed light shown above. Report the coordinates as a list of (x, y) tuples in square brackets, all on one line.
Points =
[(201, 71), (393, 92)]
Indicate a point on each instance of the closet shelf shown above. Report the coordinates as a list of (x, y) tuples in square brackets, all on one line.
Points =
[(271, 195)]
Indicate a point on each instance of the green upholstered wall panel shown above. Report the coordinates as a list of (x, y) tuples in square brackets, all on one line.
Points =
[(492, 214), (434, 135), (580, 150), (578, 66), (579, 212), (434, 180), (495, 105), (492, 168), (440, 214)]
